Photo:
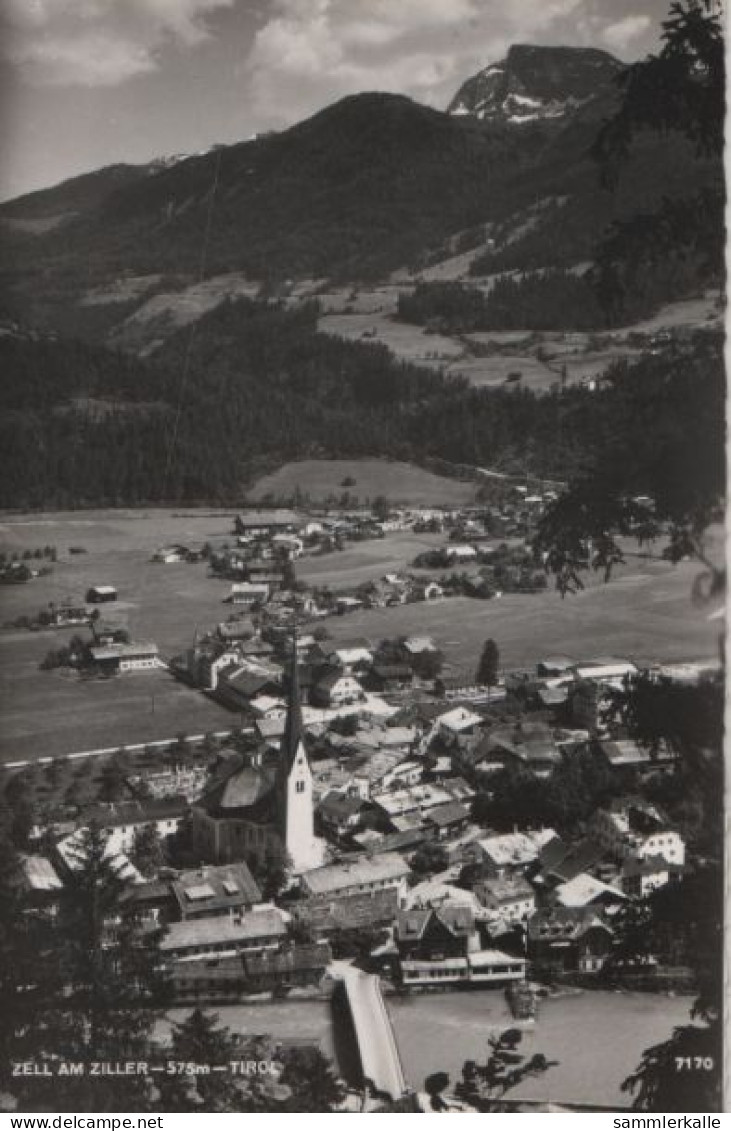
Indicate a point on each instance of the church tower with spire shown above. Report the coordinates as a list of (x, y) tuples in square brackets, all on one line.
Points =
[(294, 783)]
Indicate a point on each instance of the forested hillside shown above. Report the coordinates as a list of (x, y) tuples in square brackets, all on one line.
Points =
[(259, 385)]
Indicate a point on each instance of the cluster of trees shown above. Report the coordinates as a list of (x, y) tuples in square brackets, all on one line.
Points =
[(572, 791), (261, 382), (88, 985), (548, 299)]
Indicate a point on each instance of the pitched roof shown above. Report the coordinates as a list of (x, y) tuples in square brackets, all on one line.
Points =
[(448, 814), (361, 870), (136, 812), (39, 874), (649, 866), (506, 890), (312, 956), (349, 912), (340, 805), (458, 919), (260, 923), (584, 889), (244, 787), (215, 889), (557, 924), (516, 848), (575, 860)]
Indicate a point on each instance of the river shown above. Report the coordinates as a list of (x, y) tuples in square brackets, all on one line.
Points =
[(597, 1037)]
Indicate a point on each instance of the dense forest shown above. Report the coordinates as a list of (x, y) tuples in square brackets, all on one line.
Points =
[(625, 286), (257, 384)]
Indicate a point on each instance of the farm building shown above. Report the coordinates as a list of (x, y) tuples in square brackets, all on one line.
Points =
[(97, 594), (135, 656), (267, 522)]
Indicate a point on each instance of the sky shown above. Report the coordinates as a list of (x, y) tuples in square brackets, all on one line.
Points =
[(88, 83)]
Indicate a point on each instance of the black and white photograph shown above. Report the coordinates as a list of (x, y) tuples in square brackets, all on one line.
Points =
[(362, 559)]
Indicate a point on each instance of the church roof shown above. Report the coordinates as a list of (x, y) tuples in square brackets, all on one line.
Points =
[(248, 787), (245, 788)]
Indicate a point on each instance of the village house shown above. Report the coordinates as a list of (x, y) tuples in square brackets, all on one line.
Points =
[(206, 667), (294, 966), (352, 658), (556, 667), (98, 594), (523, 744), (266, 523), (208, 892), (65, 858), (340, 814), (512, 900), (288, 546), (132, 657), (362, 874), (404, 774), (248, 593), (641, 877), (169, 555), (627, 754), (509, 854), (336, 689), (460, 554), (343, 915), (413, 647), (634, 828), (61, 616), (606, 670), (199, 940), (457, 723), (445, 821), (123, 819), (268, 707), (40, 883), (417, 800), (563, 940), (239, 684), (347, 604), (586, 890), (384, 677), (441, 946)]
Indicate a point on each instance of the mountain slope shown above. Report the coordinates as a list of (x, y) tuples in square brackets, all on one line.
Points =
[(537, 84), (369, 185), (73, 197)]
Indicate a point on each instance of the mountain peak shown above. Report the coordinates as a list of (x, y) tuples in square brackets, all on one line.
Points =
[(535, 83)]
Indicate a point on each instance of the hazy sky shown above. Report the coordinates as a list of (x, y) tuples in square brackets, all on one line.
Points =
[(86, 83)]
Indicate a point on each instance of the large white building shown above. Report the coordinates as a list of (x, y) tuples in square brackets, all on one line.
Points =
[(362, 875), (634, 829)]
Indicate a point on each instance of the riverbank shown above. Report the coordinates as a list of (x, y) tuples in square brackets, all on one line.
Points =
[(597, 1037)]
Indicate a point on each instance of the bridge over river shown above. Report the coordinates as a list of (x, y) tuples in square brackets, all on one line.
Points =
[(379, 1055)]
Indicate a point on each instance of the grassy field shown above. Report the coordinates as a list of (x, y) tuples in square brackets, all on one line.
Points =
[(365, 561), (492, 372), (56, 713), (644, 613), (48, 712), (399, 482), (406, 342)]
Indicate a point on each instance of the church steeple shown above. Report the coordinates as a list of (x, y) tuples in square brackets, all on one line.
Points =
[(293, 731), (294, 781)]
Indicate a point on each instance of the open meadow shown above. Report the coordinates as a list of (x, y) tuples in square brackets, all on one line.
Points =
[(644, 613), (399, 482)]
